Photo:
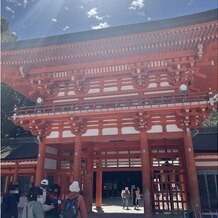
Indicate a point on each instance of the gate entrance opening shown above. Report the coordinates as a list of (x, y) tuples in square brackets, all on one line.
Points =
[(114, 182)]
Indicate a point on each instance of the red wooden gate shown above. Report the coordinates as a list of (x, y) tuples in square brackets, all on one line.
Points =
[(168, 179)]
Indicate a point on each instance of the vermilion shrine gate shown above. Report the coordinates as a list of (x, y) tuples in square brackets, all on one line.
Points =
[(119, 99)]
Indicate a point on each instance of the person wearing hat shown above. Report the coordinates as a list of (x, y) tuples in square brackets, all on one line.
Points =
[(75, 193), (44, 186)]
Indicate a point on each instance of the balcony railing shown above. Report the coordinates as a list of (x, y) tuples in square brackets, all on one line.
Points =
[(136, 102)]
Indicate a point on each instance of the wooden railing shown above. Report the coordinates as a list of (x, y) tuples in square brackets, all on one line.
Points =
[(111, 104)]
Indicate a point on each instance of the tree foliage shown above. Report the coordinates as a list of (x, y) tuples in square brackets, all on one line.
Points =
[(212, 120), (10, 98), (6, 34)]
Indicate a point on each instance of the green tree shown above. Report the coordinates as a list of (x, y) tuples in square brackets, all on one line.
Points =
[(6, 34), (212, 120), (9, 97)]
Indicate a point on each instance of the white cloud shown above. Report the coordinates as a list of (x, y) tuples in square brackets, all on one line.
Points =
[(136, 4), (54, 20), (9, 9), (92, 12), (25, 2), (86, 1), (191, 1), (81, 6), (149, 19), (141, 13), (12, 1), (100, 26), (66, 8), (98, 17), (66, 27)]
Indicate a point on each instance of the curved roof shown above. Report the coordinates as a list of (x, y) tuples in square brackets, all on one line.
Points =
[(19, 148), (58, 58)]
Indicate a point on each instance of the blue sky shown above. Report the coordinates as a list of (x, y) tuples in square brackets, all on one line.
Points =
[(39, 18)]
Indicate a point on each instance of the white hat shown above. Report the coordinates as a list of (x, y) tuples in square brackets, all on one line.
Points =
[(44, 182), (74, 187)]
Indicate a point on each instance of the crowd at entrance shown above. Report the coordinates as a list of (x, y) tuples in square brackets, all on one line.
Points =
[(44, 202)]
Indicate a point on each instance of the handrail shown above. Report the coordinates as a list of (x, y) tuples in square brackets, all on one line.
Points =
[(114, 104), (212, 215)]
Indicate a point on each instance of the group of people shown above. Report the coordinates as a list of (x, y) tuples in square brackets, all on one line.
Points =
[(126, 195), (44, 202)]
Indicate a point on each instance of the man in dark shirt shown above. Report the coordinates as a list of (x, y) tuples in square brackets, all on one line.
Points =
[(10, 201)]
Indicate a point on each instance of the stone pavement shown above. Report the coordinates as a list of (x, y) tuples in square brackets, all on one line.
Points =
[(112, 208)]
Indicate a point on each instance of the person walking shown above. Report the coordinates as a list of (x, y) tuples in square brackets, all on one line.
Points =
[(76, 202), (133, 196), (125, 194), (33, 208), (137, 198)]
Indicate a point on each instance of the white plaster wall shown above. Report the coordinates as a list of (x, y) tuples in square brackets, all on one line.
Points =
[(129, 130), (53, 135), (155, 128), (93, 91), (50, 164), (91, 132), (130, 87), (207, 164), (67, 134), (51, 150), (110, 89), (109, 131), (173, 128)]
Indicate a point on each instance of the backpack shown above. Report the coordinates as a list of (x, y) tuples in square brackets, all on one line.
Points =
[(70, 208)]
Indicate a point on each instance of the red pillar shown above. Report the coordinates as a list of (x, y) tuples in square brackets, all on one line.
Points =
[(146, 175), (77, 168), (88, 180), (7, 182), (59, 158), (40, 163), (192, 174), (99, 185), (15, 179)]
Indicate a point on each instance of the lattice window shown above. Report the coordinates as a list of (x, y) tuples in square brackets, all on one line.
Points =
[(168, 184)]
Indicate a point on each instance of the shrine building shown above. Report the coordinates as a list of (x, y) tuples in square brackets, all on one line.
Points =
[(120, 99)]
